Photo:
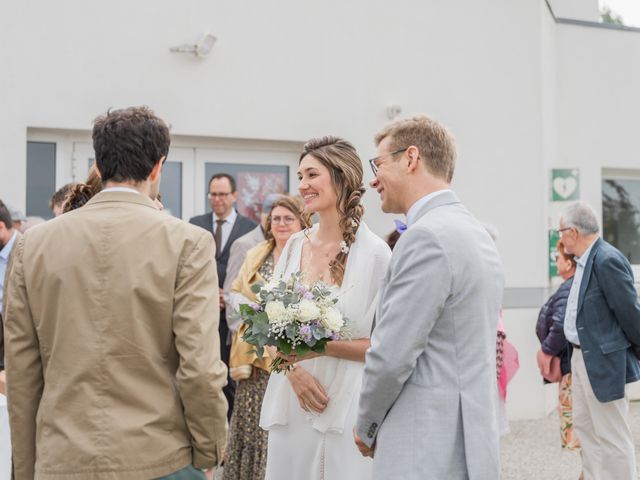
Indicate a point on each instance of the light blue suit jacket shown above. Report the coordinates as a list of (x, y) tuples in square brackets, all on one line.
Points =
[(429, 391)]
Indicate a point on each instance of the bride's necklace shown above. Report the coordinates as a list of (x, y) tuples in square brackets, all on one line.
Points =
[(315, 265)]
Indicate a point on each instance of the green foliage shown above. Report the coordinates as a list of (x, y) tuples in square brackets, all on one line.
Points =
[(246, 310), (284, 346), (609, 16), (318, 332)]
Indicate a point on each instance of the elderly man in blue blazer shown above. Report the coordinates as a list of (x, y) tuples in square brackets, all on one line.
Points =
[(602, 324)]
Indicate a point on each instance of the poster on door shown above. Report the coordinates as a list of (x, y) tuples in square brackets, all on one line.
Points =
[(253, 184), (253, 187)]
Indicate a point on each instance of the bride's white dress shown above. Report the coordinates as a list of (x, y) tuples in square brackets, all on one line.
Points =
[(310, 446)]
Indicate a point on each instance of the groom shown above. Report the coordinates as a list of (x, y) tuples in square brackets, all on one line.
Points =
[(428, 402)]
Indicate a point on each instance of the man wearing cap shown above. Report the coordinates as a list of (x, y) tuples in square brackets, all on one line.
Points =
[(17, 218), (239, 250)]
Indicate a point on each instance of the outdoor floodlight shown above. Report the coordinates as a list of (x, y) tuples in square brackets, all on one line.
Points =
[(393, 111), (200, 49)]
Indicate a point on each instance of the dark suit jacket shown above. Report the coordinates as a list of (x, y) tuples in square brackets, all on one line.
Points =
[(241, 226), (608, 322)]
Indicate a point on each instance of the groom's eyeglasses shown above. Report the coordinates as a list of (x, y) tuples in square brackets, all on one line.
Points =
[(374, 161)]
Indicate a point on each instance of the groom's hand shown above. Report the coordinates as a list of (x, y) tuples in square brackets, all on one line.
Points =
[(364, 450)]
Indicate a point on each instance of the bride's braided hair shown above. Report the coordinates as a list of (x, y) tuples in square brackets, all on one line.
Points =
[(345, 167)]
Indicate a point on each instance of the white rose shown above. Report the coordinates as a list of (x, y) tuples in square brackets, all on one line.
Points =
[(333, 319), (308, 310), (271, 284), (275, 311)]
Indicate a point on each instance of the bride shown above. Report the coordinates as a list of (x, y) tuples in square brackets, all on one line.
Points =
[(310, 412)]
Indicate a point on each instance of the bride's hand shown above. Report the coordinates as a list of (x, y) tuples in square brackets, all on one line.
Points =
[(289, 360), (310, 393)]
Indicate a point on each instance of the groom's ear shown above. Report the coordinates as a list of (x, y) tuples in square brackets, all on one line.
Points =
[(413, 158)]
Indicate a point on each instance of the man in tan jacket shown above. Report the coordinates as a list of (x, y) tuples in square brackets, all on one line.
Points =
[(111, 328)]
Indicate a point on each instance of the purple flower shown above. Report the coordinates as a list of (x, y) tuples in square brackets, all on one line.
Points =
[(255, 306), (308, 296), (305, 333), (335, 336)]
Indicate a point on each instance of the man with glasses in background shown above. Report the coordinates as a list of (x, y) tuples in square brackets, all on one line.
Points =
[(602, 325), (226, 225)]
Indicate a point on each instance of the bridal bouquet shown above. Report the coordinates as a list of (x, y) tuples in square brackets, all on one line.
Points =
[(293, 317)]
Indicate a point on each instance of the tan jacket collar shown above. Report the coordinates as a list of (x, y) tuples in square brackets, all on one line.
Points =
[(127, 197)]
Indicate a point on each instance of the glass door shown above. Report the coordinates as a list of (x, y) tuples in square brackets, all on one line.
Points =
[(177, 181)]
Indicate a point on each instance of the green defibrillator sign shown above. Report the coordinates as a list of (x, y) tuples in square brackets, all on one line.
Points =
[(565, 184)]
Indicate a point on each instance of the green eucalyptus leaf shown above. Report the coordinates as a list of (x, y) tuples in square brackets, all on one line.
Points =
[(259, 350), (284, 346), (246, 310), (301, 349), (290, 331)]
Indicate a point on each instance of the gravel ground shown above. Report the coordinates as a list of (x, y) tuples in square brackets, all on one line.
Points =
[(532, 449)]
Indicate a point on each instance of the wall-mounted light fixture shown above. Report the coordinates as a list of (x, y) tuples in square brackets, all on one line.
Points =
[(393, 111), (200, 49)]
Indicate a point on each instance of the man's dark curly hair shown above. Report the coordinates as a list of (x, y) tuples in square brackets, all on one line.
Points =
[(128, 143)]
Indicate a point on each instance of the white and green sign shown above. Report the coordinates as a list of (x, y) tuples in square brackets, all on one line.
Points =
[(565, 184), (554, 237)]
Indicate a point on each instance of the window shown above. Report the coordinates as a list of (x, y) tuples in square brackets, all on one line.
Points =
[(621, 212), (41, 178), (171, 188)]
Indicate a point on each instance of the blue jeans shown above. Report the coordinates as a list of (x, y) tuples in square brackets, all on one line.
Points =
[(187, 473)]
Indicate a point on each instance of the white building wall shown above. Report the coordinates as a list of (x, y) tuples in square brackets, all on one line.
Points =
[(288, 71), (520, 93), (598, 101), (528, 397)]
